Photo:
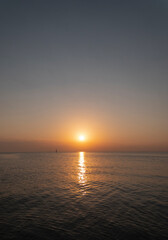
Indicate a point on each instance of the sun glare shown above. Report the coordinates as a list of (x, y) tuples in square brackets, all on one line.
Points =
[(81, 138)]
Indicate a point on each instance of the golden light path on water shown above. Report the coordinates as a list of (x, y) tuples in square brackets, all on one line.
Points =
[(82, 170)]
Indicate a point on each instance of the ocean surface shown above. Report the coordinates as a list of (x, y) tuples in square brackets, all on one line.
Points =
[(83, 196)]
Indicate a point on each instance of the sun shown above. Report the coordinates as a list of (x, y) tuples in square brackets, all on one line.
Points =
[(81, 138)]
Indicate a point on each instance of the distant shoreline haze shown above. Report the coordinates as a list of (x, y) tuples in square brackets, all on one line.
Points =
[(45, 146)]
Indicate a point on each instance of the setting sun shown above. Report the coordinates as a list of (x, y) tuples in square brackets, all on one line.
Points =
[(81, 138)]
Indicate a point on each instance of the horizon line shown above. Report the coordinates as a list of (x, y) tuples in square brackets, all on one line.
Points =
[(146, 151)]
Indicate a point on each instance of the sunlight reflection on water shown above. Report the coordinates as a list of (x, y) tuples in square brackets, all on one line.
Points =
[(82, 170), (83, 196)]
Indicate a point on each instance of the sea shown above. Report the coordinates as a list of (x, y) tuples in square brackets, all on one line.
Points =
[(82, 195)]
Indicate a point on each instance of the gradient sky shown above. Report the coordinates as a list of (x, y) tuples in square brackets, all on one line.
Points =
[(94, 67)]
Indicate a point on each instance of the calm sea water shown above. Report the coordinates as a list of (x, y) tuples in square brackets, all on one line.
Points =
[(83, 196)]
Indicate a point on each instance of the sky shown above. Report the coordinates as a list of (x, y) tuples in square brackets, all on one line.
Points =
[(94, 67)]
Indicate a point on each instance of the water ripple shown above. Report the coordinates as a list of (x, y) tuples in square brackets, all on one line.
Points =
[(83, 196)]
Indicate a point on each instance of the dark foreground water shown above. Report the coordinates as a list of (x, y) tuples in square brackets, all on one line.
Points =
[(83, 196)]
